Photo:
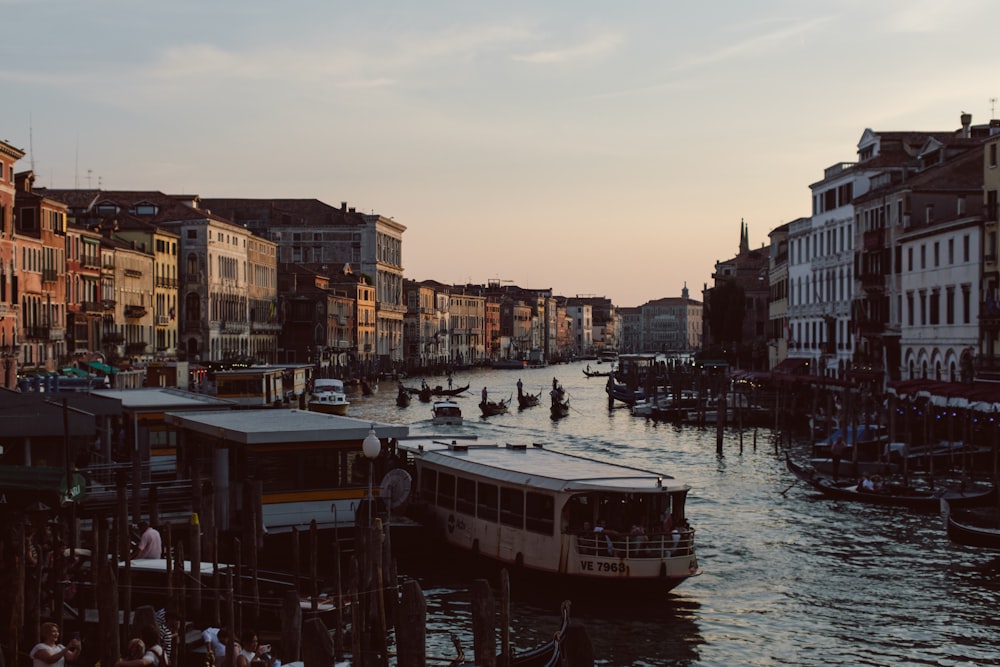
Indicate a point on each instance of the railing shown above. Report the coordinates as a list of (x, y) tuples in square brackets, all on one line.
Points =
[(166, 282), (133, 273), (36, 332), (135, 311), (656, 545)]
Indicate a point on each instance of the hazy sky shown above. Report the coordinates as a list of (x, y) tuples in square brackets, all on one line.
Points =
[(604, 148)]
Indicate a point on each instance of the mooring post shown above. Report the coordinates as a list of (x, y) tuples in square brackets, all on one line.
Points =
[(483, 624), (411, 633)]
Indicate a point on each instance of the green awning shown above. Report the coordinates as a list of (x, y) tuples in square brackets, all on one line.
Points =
[(104, 368), (25, 484), (74, 371)]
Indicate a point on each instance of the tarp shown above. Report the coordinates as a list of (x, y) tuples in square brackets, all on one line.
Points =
[(20, 484), (74, 371), (104, 368)]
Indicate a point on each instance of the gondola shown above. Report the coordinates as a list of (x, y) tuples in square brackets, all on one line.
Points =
[(927, 500), (493, 408), (547, 654), (596, 374), (560, 403), (962, 531), (525, 401), (442, 391), (402, 397)]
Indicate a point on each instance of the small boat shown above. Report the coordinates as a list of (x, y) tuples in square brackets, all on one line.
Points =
[(525, 401), (402, 397), (493, 408), (618, 391), (328, 397), (597, 526), (424, 394), (446, 413), (973, 528), (923, 499), (448, 391), (547, 654), (596, 374), (560, 403)]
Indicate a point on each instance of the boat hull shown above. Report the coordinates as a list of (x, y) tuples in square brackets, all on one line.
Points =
[(329, 408)]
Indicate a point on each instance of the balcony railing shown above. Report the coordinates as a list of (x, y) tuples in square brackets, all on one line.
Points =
[(133, 312), (36, 332), (133, 273), (166, 282)]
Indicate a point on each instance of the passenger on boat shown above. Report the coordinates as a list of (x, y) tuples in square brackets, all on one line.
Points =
[(866, 484), (485, 394)]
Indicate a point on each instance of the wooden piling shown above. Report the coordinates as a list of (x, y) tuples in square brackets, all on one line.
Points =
[(505, 618), (194, 539), (411, 633), (107, 613), (291, 626), (317, 647), (483, 624)]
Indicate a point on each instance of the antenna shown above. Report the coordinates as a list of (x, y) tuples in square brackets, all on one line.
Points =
[(31, 143), (76, 165), (993, 107)]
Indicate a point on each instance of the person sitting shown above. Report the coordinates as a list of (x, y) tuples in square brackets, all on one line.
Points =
[(876, 483), (215, 640), (866, 485)]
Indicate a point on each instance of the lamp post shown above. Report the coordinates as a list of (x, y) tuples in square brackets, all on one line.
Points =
[(371, 448)]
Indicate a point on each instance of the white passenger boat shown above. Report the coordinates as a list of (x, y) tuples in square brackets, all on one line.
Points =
[(547, 512), (328, 397), (446, 413)]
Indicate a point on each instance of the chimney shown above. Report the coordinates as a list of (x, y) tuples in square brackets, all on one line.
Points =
[(343, 206), (966, 122)]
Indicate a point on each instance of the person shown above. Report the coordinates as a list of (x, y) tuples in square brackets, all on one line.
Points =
[(520, 387), (154, 655), (49, 652), (150, 543), (135, 650), (555, 383), (168, 622), (485, 394), (865, 484), (254, 654), (449, 380), (216, 640), (836, 452)]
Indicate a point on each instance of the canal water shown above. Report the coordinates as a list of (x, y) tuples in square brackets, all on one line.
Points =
[(789, 578)]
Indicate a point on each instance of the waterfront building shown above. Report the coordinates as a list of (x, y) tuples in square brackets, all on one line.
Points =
[(427, 324), (315, 234), (9, 304), (40, 249), (671, 325), (475, 325), (987, 361), (630, 321), (83, 292), (133, 298), (581, 314), (735, 315), (778, 334)]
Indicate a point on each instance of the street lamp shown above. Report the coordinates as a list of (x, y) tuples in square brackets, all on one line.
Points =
[(371, 448)]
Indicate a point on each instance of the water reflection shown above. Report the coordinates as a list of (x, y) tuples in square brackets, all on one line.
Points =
[(790, 578)]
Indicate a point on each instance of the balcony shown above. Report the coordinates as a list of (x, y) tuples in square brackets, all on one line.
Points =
[(166, 282), (91, 307), (57, 333), (50, 275), (36, 333), (133, 273), (135, 348), (134, 312), (108, 304), (112, 338)]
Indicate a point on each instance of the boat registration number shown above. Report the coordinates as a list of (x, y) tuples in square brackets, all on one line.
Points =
[(603, 566)]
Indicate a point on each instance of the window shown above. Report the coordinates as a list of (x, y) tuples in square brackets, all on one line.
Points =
[(993, 154), (934, 316), (465, 500), (951, 251), (923, 256), (446, 491), (192, 233), (512, 507), (486, 501), (937, 253), (965, 248), (949, 305), (909, 259), (539, 513), (909, 308)]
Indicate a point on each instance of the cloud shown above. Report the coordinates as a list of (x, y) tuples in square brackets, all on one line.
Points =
[(754, 44), (596, 46)]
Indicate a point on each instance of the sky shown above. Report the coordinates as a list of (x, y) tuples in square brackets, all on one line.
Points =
[(591, 147)]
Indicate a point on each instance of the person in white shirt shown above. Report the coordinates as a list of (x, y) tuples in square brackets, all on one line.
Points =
[(150, 543), (49, 652)]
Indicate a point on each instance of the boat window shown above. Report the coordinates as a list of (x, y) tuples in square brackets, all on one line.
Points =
[(465, 500), (486, 505), (428, 483), (512, 507), (446, 491), (539, 513)]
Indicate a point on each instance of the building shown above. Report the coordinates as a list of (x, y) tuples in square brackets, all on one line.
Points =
[(671, 325), (9, 346)]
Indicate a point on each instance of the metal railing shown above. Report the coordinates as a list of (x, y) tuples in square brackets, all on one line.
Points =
[(656, 545)]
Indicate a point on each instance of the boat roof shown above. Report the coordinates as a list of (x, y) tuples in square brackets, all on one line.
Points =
[(445, 403), (328, 382), (537, 467), (276, 426)]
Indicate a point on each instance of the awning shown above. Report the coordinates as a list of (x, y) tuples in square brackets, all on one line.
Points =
[(25, 484), (791, 365), (74, 371), (104, 368)]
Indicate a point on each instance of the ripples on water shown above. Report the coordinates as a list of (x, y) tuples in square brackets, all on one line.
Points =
[(789, 578)]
